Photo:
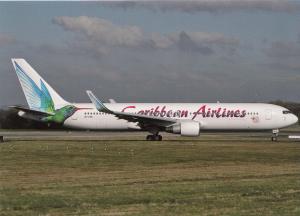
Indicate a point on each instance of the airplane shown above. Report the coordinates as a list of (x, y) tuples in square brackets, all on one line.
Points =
[(186, 119)]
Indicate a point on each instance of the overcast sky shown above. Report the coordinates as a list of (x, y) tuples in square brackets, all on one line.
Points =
[(191, 51)]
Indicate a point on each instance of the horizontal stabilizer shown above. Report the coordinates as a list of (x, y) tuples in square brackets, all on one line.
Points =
[(34, 112)]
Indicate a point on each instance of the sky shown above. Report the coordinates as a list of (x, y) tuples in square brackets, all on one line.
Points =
[(155, 51)]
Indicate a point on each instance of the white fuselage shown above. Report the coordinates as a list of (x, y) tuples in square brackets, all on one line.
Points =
[(211, 116)]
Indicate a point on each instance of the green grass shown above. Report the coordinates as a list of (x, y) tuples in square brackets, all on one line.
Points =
[(184, 177)]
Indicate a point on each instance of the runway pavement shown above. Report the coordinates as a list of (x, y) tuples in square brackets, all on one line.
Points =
[(69, 135), (127, 135)]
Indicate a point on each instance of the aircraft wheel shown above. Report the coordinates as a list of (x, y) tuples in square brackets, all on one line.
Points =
[(159, 137), (274, 139), (149, 137), (154, 138)]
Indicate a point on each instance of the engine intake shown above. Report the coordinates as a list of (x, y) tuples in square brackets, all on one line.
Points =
[(188, 128)]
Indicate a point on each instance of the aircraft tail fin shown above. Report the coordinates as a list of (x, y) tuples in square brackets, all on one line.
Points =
[(39, 94)]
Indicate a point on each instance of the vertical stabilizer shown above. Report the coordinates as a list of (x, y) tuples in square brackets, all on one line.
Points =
[(39, 94)]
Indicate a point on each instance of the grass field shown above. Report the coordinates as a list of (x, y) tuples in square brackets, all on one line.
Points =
[(209, 175)]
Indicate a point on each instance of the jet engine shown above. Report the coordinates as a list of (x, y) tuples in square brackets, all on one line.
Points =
[(186, 128)]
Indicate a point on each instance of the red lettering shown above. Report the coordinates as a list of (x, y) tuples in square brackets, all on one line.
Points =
[(156, 112), (184, 113), (224, 113), (218, 115), (200, 111), (169, 113), (176, 114), (230, 113), (141, 112), (163, 111), (237, 113), (243, 113), (208, 113), (128, 107), (213, 113), (151, 112)]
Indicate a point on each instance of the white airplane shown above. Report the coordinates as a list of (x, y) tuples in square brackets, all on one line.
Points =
[(186, 119)]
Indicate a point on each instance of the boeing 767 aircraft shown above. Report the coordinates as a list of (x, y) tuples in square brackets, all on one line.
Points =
[(186, 119)]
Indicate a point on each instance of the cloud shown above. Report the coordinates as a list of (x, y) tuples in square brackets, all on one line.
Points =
[(102, 30), (185, 42), (284, 65), (6, 39), (212, 6), (284, 55), (282, 49), (100, 35)]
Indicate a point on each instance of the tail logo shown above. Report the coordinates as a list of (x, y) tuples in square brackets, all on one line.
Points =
[(38, 98)]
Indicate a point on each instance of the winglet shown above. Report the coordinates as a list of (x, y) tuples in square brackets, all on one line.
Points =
[(97, 103)]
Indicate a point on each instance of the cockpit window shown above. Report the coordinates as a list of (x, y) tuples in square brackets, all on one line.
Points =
[(286, 112)]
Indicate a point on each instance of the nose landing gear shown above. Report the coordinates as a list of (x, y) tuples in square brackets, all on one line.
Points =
[(275, 135)]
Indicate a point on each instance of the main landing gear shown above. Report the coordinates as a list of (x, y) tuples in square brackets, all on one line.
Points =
[(154, 137), (275, 135), (154, 134)]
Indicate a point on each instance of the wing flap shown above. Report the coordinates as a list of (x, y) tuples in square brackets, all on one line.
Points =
[(145, 120)]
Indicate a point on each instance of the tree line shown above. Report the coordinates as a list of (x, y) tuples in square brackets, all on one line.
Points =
[(9, 118)]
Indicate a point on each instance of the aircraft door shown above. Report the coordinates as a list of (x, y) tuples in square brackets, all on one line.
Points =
[(268, 114)]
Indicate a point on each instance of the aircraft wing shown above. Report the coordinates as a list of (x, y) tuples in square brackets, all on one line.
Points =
[(143, 120)]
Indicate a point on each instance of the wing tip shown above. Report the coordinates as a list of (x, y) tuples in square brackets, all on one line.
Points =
[(90, 94), (97, 103)]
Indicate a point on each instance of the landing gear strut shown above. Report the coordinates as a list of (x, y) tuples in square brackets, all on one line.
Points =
[(154, 134), (154, 137), (275, 135)]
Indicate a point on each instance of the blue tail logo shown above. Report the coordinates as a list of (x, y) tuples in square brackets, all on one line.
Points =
[(38, 98)]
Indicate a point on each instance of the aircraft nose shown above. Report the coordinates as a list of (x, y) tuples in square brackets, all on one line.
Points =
[(294, 119)]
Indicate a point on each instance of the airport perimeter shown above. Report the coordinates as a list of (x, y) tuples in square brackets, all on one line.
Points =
[(90, 173)]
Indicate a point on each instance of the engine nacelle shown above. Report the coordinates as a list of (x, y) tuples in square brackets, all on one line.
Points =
[(188, 128)]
